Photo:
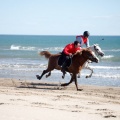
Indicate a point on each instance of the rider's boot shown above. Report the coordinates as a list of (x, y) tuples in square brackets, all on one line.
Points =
[(64, 69)]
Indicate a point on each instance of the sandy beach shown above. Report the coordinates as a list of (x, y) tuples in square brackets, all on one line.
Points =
[(38, 100)]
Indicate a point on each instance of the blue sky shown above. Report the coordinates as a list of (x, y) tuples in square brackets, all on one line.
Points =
[(60, 17)]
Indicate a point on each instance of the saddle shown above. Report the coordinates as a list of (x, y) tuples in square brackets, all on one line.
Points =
[(62, 59)]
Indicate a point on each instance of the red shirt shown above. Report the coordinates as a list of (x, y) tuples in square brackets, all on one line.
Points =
[(70, 48)]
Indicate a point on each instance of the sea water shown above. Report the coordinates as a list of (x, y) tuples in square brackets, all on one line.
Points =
[(20, 59)]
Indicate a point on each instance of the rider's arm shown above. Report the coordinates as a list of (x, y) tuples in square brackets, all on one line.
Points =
[(66, 49), (80, 40), (87, 43)]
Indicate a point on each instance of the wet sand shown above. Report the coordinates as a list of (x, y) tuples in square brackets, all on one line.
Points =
[(38, 100)]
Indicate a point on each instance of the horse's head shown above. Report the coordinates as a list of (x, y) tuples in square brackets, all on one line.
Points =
[(89, 55), (97, 50)]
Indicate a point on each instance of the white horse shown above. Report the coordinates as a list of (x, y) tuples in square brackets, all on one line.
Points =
[(98, 52)]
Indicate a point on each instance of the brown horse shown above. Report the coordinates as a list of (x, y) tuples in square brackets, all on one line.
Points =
[(78, 61)]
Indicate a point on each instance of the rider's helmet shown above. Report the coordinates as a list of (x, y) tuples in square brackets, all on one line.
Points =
[(86, 34)]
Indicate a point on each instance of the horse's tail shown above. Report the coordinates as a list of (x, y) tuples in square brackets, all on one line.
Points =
[(46, 54)]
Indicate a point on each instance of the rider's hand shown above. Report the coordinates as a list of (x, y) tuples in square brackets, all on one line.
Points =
[(70, 54), (77, 51)]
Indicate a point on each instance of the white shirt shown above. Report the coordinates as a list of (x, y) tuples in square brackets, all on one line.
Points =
[(80, 40)]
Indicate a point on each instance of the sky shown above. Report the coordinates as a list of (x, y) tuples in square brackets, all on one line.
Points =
[(60, 17)]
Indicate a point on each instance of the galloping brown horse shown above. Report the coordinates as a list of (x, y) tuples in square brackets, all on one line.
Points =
[(78, 61)]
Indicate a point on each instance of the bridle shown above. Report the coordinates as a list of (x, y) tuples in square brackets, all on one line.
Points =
[(89, 57), (96, 52)]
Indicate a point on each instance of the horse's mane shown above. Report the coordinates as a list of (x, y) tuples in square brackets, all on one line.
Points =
[(93, 45), (82, 50)]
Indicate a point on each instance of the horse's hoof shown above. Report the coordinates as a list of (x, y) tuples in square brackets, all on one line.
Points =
[(63, 77), (78, 76), (63, 84), (79, 89), (38, 77), (87, 76), (46, 76)]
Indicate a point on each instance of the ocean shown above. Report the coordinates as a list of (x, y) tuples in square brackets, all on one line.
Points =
[(19, 58)]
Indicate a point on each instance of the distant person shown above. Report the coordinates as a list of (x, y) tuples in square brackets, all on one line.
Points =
[(83, 39), (67, 53)]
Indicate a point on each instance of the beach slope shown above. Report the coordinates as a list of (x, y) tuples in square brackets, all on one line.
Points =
[(38, 100)]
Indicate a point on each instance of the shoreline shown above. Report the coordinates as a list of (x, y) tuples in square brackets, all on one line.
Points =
[(33, 100)]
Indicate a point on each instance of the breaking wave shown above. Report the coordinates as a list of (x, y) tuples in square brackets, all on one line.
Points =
[(107, 57), (30, 48), (107, 67), (14, 47), (113, 50)]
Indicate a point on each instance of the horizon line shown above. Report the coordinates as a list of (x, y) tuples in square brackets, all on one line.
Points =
[(53, 35)]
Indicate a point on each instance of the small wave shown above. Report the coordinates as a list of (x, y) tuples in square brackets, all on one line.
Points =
[(116, 76), (107, 57), (14, 47), (29, 48), (106, 67), (51, 49), (113, 50), (21, 66)]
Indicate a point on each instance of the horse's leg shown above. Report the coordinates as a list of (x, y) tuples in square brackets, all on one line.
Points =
[(48, 74), (44, 72), (65, 84), (51, 66), (77, 84), (78, 75), (75, 79), (84, 66), (88, 76)]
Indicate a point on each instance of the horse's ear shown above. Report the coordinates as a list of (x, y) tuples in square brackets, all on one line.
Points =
[(96, 44)]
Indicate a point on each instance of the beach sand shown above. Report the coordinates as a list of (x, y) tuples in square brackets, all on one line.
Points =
[(40, 100)]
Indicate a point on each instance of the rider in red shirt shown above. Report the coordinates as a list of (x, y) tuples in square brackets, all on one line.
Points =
[(71, 49), (68, 51)]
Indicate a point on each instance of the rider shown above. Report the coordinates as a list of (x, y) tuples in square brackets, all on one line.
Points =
[(68, 51), (83, 39)]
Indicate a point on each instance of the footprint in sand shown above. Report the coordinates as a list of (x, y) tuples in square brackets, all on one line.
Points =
[(108, 116), (2, 103)]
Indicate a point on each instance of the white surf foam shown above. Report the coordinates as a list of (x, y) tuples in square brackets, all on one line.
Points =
[(106, 67), (113, 50), (107, 57), (30, 48), (15, 47)]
